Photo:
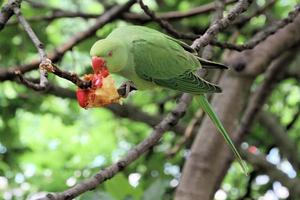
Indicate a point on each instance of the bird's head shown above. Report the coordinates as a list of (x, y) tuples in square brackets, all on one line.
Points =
[(110, 54), (107, 56)]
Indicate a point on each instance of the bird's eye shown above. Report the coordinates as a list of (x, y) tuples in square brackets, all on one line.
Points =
[(110, 54)]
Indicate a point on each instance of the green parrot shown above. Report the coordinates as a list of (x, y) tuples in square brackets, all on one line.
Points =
[(150, 59)]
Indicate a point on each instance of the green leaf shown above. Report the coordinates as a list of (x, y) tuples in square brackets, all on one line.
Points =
[(156, 190), (120, 189)]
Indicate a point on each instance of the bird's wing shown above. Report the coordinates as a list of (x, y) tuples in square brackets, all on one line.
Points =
[(190, 83), (167, 64), (183, 44)]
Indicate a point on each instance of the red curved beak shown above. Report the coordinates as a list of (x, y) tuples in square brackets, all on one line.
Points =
[(98, 64)]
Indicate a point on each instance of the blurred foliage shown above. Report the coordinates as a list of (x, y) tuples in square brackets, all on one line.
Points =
[(48, 143)]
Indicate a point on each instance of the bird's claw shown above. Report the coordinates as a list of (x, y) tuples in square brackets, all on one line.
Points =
[(126, 88)]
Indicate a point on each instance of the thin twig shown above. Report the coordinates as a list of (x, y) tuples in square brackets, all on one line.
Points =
[(242, 20), (164, 24), (261, 36), (294, 120), (58, 15), (134, 17), (44, 61), (7, 11), (188, 134), (177, 15), (73, 77), (171, 30), (28, 83), (209, 35), (108, 16)]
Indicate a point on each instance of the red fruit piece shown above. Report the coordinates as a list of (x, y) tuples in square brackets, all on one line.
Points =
[(253, 149), (82, 97), (97, 63), (97, 81)]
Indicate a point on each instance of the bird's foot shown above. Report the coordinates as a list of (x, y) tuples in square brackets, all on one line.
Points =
[(126, 88)]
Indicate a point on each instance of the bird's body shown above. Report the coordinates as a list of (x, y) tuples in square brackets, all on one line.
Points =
[(150, 58), (157, 59)]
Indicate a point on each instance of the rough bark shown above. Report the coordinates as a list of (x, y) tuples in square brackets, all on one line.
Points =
[(210, 157)]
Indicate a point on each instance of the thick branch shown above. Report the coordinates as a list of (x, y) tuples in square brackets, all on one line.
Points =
[(260, 163), (281, 138)]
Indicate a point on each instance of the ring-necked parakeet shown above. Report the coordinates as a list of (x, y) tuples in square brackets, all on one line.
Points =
[(150, 58)]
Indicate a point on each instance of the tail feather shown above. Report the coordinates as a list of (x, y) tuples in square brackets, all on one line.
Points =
[(204, 104)]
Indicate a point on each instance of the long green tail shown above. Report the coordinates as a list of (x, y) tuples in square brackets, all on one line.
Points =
[(204, 104)]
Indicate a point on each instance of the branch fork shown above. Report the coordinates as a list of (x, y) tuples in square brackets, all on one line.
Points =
[(46, 65)]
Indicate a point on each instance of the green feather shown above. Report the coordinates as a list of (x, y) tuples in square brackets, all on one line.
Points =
[(204, 104), (188, 82)]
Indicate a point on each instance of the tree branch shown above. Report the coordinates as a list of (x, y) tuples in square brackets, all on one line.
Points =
[(244, 19), (134, 17), (90, 184), (208, 36), (261, 36), (225, 45), (260, 163), (7, 11), (212, 31), (177, 15), (44, 61), (189, 132), (164, 24), (295, 118), (281, 138), (108, 16)]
